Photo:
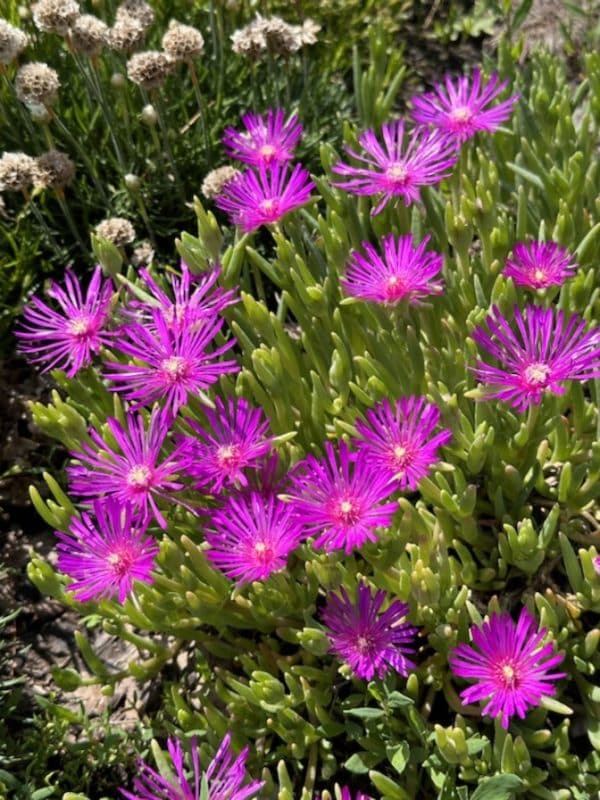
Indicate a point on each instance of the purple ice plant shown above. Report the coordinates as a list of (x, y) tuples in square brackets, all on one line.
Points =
[(263, 196), (405, 272), (347, 795), (234, 440), (399, 441), (166, 363), (225, 777), (193, 299), (398, 168), (461, 107), (66, 339), (104, 554), (368, 640), (540, 264), (266, 141), (134, 475), (544, 350), (252, 535), (510, 665), (341, 498)]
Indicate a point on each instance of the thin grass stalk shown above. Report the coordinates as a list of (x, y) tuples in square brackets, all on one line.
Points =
[(82, 154), (201, 107)]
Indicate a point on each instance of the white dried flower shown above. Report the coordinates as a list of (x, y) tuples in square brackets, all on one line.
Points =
[(55, 16), (17, 172), (126, 34), (182, 42), (89, 35), (37, 84), (55, 170), (266, 33), (149, 69), (117, 230), (307, 32), (282, 39), (137, 9), (143, 255), (12, 42), (216, 180), (249, 41)]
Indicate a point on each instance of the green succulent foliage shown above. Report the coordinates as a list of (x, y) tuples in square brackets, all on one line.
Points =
[(509, 517)]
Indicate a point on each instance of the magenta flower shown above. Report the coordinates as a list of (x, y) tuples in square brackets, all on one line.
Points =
[(224, 776), (266, 141), (66, 339), (104, 556), (368, 641), (195, 299), (510, 666), (347, 795), (135, 475), (398, 440), (342, 503), (545, 350), (234, 440), (252, 536), (395, 170), (540, 264), (460, 107), (174, 362), (404, 272), (264, 196), (597, 564)]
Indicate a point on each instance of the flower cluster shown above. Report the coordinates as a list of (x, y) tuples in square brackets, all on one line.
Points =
[(163, 353), (268, 190)]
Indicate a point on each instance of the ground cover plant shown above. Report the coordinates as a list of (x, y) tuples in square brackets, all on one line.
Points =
[(333, 472)]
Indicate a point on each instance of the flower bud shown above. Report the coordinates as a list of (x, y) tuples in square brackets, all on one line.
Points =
[(149, 115)]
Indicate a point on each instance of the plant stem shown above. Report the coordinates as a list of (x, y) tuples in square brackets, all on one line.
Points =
[(158, 105), (201, 108), (70, 221), (83, 155), (44, 225)]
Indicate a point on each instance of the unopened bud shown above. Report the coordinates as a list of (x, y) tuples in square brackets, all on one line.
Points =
[(118, 80), (132, 182), (149, 115)]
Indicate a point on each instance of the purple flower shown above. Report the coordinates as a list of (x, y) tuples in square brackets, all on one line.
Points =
[(510, 666), (196, 299), (135, 475), (347, 795), (225, 776), (404, 272), (459, 107), (264, 196), (540, 264), (234, 440), (66, 339), (545, 350), (252, 535), (368, 641), (397, 171), (266, 141), (104, 556), (174, 362), (597, 564), (342, 503), (398, 440)]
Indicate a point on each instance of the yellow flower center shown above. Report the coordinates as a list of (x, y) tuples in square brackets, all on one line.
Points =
[(139, 477), (397, 172), (536, 374)]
